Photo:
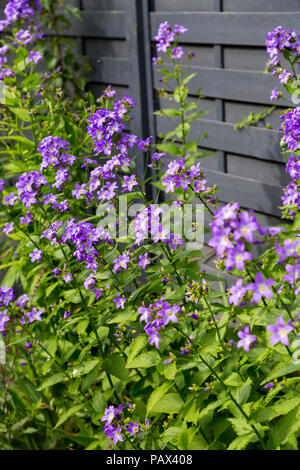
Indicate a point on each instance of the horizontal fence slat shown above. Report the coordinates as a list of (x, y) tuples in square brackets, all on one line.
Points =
[(250, 141), (247, 29), (98, 24), (234, 85), (108, 70), (248, 193)]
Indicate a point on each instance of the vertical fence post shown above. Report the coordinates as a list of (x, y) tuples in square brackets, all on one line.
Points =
[(219, 63), (140, 71)]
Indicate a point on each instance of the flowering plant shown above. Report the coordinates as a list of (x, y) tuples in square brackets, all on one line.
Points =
[(113, 333)]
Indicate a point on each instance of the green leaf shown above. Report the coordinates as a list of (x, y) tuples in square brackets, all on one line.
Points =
[(170, 403), (183, 440), (241, 442), (286, 427), (168, 370), (72, 295), (19, 138), (183, 130), (52, 380), (167, 73), (282, 407), (240, 426), (157, 395), (169, 112), (172, 149), (65, 416), (135, 347), (115, 365), (188, 78), (21, 113), (144, 360)]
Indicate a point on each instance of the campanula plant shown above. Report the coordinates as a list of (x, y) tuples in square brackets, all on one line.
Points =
[(112, 336)]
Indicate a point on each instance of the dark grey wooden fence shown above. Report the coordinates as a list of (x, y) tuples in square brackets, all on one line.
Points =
[(229, 40), (228, 37)]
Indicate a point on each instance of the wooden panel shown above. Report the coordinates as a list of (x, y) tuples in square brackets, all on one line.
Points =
[(235, 111), (253, 141), (102, 4), (245, 58), (98, 24), (261, 5), (183, 5), (236, 85), (260, 170), (110, 71), (247, 29), (106, 47), (259, 196)]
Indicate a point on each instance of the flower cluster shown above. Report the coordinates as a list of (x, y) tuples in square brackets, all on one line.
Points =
[(179, 176), (157, 315), (166, 37), (18, 9), (116, 423), (106, 123), (233, 231), (277, 41), (291, 128)]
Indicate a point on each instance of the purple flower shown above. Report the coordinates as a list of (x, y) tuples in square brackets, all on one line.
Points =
[(237, 292), (10, 199), (22, 300), (261, 288), (169, 313), (121, 262), (132, 428), (35, 315), (35, 57), (280, 332), (269, 385), (293, 274), (6, 295), (117, 436), (291, 128), (220, 242), (236, 257), (275, 94), (144, 260), (245, 226), (109, 415), (288, 249), (246, 339), (177, 52), (80, 190), (120, 301), (2, 183), (89, 282), (9, 227), (128, 183), (67, 278), (36, 255)]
